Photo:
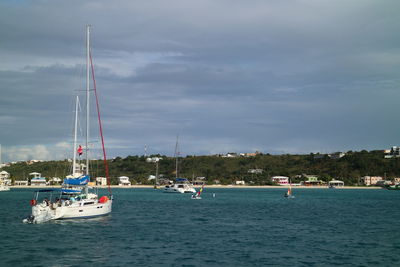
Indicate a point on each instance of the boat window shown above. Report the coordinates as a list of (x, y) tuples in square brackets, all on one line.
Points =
[(88, 203)]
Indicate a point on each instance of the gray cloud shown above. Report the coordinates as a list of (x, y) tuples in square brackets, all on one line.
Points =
[(276, 76)]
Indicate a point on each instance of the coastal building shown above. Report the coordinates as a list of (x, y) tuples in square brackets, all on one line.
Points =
[(281, 180), (337, 155), (335, 183), (394, 152), (37, 179), (55, 181), (5, 178), (30, 162), (101, 181), (230, 155), (371, 180), (255, 171), (240, 182), (250, 154), (124, 181), (199, 181), (312, 180), (21, 182)]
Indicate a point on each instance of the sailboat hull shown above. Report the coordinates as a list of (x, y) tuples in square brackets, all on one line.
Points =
[(47, 212), (87, 211)]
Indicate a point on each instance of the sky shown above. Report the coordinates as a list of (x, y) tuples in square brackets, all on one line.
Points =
[(292, 76)]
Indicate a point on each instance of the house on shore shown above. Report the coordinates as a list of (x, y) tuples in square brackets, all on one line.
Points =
[(5, 178), (102, 181), (280, 180), (370, 180), (21, 182), (199, 181), (124, 181), (312, 180), (335, 183), (37, 179)]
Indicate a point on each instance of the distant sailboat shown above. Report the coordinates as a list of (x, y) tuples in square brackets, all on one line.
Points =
[(197, 195), (181, 185), (289, 193)]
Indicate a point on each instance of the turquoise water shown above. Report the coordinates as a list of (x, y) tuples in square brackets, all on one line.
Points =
[(239, 227)]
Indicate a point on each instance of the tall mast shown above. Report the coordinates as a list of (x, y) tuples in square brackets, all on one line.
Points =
[(87, 94), (75, 136)]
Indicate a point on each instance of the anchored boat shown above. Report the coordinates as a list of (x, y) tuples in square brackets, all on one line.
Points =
[(75, 198)]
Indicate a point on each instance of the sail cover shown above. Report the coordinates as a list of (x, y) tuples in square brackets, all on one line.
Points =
[(83, 180)]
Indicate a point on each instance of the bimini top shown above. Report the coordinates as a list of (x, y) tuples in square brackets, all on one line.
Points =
[(83, 180), (59, 190), (181, 180)]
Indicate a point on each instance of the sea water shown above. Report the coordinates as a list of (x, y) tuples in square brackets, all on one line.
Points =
[(227, 227)]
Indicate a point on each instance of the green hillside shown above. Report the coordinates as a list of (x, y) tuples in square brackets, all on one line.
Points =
[(348, 168)]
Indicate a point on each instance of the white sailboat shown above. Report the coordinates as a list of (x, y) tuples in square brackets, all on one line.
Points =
[(180, 185), (75, 199), (198, 194), (289, 193)]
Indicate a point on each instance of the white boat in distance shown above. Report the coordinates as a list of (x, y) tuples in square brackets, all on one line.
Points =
[(74, 199), (181, 185)]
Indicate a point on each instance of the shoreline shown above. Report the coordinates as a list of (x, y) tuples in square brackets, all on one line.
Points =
[(217, 186)]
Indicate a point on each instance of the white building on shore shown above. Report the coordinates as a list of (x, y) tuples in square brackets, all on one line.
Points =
[(5, 178), (281, 180), (37, 179), (124, 181), (101, 181), (371, 180), (335, 183)]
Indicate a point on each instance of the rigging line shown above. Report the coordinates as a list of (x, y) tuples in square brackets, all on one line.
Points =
[(100, 126)]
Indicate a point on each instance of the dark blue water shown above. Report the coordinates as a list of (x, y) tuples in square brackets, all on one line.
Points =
[(239, 227)]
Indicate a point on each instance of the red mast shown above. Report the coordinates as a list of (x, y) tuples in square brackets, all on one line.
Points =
[(100, 125)]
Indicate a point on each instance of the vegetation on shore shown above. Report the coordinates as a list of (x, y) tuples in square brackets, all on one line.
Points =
[(227, 170)]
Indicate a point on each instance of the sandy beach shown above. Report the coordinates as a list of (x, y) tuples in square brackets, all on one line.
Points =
[(223, 186)]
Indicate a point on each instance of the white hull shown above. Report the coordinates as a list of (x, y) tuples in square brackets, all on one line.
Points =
[(87, 211), (77, 210), (179, 188)]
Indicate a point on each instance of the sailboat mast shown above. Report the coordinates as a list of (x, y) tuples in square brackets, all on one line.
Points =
[(176, 157), (75, 136), (87, 94)]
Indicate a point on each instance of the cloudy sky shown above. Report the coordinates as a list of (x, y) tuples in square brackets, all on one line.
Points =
[(278, 76)]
